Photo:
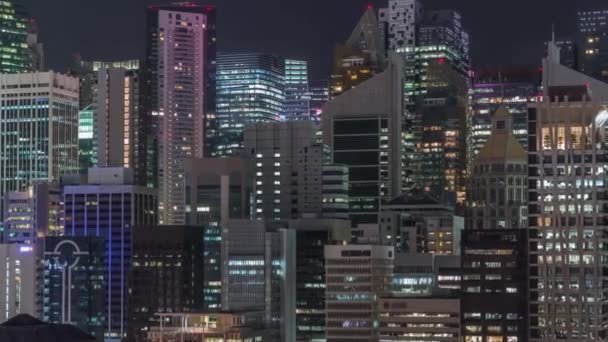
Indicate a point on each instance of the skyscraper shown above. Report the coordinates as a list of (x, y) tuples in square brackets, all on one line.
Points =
[(361, 57), (117, 121), (512, 88), (363, 128), (297, 102), (13, 38), (356, 277), (593, 42), (166, 275), (289, 169), (80, 261), (318, 94), (180, 90), (19, 287), (217, 189), (109, 206), (38, 129), (250, 89), (567, 206), (87, 149)]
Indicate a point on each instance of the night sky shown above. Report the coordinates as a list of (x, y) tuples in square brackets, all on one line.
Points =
[(504, 32)]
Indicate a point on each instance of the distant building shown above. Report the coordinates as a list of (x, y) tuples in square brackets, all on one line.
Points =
[(363, 128), (87, 148), (419, 319), (426, 275), (81, 261), (238, 326), (418, 222), (14, 35), (19, 288), (288, 169), (356, 277), (35, 47), (593, 42), (166, 275), (297, 102), (250, 89), (110, 206), (33, 214), (318, 94), (218, 189), (335, 191), (360, 57), (43, 144)]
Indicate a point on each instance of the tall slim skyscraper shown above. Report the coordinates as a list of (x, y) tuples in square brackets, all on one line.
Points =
[(87, 149), (318, 94), (38, 129), (13, 38), (297, 102), (250, 89), (180, 76), (117, 121), (18, 289), (109, 206)]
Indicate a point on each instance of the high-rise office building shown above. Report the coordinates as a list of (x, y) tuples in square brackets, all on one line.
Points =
[(318, 94), (109, 206), (311, 237), (33, 214), (356, 277), (87, 149), (512, 88), (494, 298), (258, 272), (179, 93), (289, 169), (440, 150), (567, 206), (416, 222), (117, 121), (74, 285), (363, 128), (497, 190), (217, 189), (19, 288), (13, 35), (250, 89), (166, 275), (593, 42), (297, 103), (399, 21), (569, 51), (38, 129), (361, 57), (435, 318)]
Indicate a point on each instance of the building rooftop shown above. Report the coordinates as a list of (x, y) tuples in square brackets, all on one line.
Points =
[(502, 145)]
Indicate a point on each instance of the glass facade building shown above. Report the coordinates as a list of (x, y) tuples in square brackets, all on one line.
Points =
[(87, 154), (250, 89), (297, 102), (38, 129), (14, 53), (593, 42)]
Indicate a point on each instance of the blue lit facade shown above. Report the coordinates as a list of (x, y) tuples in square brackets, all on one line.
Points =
[(110, 212), (250, 89), (74, 286)]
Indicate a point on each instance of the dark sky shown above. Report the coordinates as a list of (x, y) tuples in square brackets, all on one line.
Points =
[(503, 31)]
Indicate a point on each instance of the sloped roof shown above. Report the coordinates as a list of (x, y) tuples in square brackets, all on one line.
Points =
[(366, 36), (25, 328), (502, 145), (415, 197)]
